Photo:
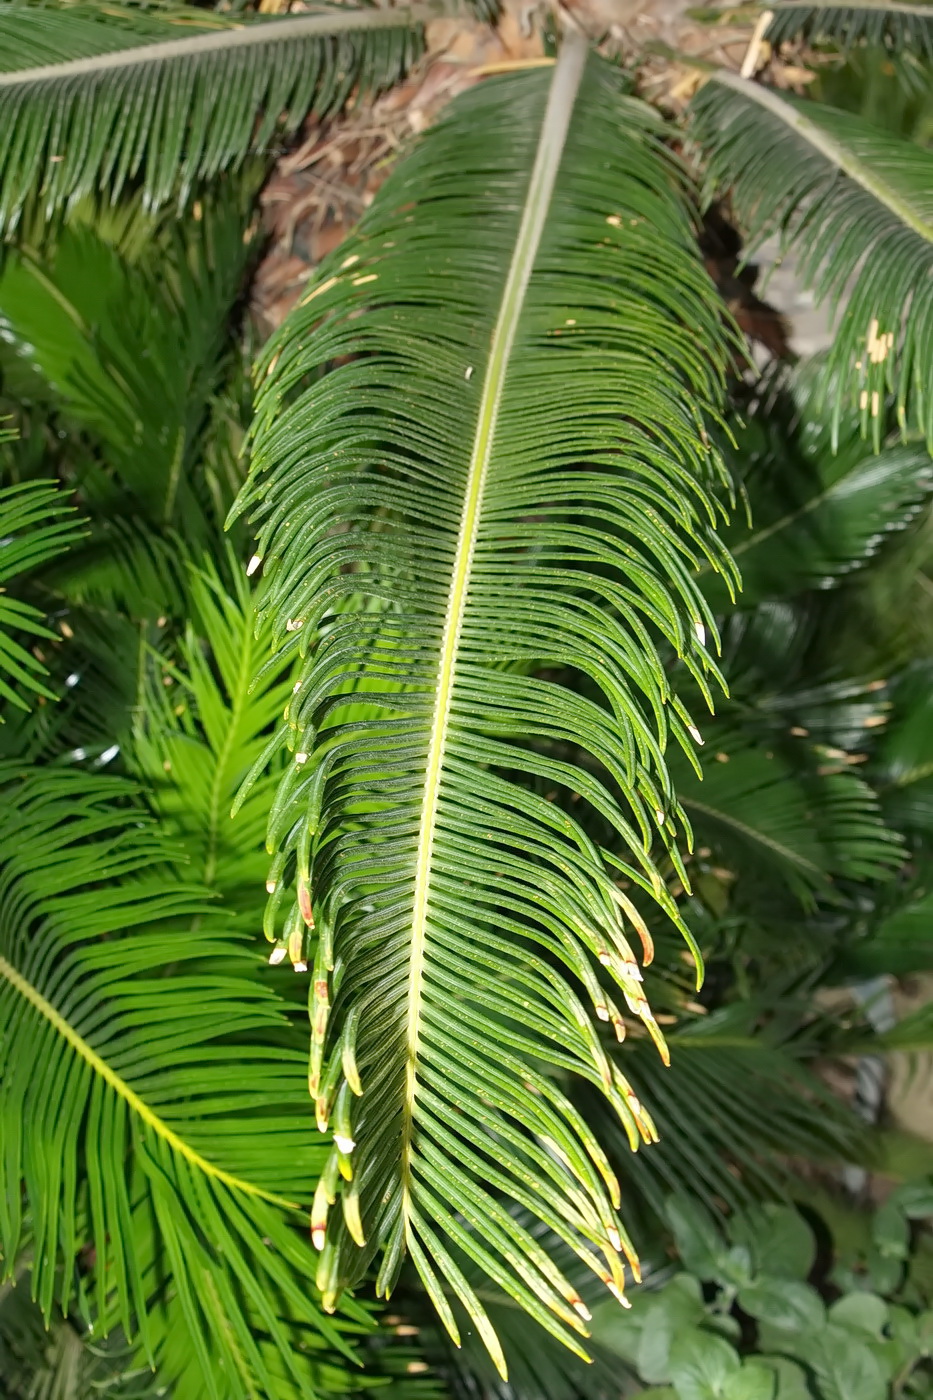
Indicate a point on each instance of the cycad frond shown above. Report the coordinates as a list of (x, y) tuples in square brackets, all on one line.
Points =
[(895, 24), (95, 96), (151, 1096), (64, 1360), (36, 525), (201, 727), (508, 463), (133, 351), (820, 517), (715, 1142), (899, 944), (856, 204), (799, 825)]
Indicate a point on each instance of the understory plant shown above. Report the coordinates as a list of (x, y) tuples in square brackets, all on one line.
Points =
[(464, 671)]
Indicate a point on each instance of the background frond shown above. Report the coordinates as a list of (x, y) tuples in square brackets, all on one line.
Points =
[(715, 1143), (133, 352), (893, 24), (855, 203), (102, 97), (37, 524), (201, 727), (800, 818)]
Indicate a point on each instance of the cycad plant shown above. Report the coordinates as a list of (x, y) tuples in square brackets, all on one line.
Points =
[(437, 605)]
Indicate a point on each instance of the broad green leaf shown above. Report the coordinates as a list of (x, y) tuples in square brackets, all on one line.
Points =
[(844, 1367), (783, 1302), (702, 1365), (863, 1312), (790, 1379), (429, 518), (94, 96), (779, 1239), (670, 1312), (752, 1382), (856, 204), (890, 1230), (699, 1242), (914, 1198)]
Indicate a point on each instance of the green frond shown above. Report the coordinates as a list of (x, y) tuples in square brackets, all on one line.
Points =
[(900, 943), (64, 1360), (799, 816), (904, 769), (127, 567), (201, 726), (98, 96), (715, 1143), (133, 352), (151, 1104), (818, 516), (856, 205), (37, 524), (893, 24), (498, 481), (539, 1367)]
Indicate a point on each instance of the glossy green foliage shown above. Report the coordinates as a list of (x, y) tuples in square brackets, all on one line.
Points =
[(488, 530), (137, 1067), (894, 24), (856, 205), (37, 523), (94, 96)]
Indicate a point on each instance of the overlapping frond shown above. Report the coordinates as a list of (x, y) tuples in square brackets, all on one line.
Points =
[(893, 24), (151, 1102), (820, 516), (856, 204), (499, 480), (37, 523), (200, 728), (133, 351), (715, 1142), (96, 96), (905, 760), (800, 821), (64, 1361)]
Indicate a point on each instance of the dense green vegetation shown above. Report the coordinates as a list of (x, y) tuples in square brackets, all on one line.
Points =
[(437, 592)]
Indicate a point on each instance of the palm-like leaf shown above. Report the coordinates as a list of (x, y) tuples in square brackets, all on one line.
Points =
[(900, 943), (134, 351), (857, 205), (766, 811), (149, 1103), (96, 96), (896, 24), (63, 1361), (715, 1142), (201, 727), (36, 525), (819, 516), (509, 464)]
